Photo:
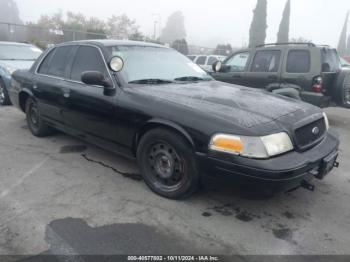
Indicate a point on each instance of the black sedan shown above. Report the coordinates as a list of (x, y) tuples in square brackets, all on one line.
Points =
[(149, 102)]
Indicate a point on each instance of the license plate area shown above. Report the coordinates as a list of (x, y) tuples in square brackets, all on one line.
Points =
[(327, 165)]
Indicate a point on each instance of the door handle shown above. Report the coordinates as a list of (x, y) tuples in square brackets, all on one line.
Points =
[(66, 92)]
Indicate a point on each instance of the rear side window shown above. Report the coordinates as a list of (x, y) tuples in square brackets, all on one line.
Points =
[(60, 60), (266, 61), (44, 67), (298, 61), (88, 58), (201, 60)]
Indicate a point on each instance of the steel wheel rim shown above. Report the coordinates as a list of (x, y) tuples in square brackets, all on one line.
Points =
[(166, 166)]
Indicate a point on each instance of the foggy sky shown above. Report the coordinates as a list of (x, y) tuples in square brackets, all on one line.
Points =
[(209, 22)]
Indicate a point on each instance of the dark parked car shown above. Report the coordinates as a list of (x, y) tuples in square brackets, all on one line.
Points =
[(300, 70), (149, 102), (14, 56)]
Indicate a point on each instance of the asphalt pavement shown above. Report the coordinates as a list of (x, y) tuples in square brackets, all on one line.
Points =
[(59, 195)]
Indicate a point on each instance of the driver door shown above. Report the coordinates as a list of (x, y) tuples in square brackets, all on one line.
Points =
[(235, 71), (88, 110)]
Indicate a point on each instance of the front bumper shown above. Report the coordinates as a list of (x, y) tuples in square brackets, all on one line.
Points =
[(293, 166)]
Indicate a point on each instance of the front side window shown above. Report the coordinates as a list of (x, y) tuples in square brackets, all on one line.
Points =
[(238, 62), (88, 58), (298, 61), (60, 60), (212, 60), (148, 62), (201, 60), (266, 61)]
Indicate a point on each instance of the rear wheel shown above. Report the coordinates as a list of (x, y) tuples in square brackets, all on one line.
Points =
[(167, 164), (4, 97), (35, 123), (346, 96)]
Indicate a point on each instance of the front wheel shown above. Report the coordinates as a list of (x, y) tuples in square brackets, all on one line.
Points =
[(167, 164), (346, 97)]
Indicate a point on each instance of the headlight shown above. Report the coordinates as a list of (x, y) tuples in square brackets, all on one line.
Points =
[(10, 69), (253, 147), (326, 120)]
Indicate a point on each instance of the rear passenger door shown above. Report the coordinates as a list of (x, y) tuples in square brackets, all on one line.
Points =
[(236, 69), (297, 68), (88, 110), (49, 84), (264, 69)]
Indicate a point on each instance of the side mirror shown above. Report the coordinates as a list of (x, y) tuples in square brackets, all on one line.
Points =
[(95, 78), (116, 64), (217, 66)]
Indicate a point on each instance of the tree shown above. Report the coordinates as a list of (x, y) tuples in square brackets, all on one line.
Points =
[(223, 50), (9, 13), (174, 29), (283, 33), (257, 32), (342, 41), (121, 27), (181, 46), (299, 40)]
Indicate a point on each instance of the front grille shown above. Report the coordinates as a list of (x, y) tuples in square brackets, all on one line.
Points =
[(306, 135)]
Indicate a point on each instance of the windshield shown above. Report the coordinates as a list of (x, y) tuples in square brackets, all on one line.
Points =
[(145, 62), (19, 52)]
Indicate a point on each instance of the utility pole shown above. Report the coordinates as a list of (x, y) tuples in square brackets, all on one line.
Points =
[(157, 20)]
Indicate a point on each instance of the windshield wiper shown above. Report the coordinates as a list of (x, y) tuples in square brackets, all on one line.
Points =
[(192, 78), (151, 81)]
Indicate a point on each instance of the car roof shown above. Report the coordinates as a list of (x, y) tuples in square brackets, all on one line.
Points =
[(112, 42), (14, 43)]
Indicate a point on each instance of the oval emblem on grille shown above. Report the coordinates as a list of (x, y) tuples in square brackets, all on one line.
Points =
[(316, 130)]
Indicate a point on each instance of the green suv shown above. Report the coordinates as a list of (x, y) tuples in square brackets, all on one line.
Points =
[(299, 70)]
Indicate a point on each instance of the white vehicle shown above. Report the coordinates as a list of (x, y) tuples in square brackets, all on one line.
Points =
[(206, 61)]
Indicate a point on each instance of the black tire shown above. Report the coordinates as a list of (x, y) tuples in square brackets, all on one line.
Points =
[(167, 164), (342, 92), (346, 92), (4, 97), (35, 123)]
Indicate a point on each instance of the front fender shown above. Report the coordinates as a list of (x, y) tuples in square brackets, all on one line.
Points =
[(158, 122)]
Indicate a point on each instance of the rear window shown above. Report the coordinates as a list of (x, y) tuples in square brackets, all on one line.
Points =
[(298, 61), (330, 60)]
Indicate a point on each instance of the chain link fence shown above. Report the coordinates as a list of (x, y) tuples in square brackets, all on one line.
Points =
[(44, 37), (41, 36)]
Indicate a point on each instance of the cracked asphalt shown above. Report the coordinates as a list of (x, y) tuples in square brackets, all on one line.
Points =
[(59, 195)]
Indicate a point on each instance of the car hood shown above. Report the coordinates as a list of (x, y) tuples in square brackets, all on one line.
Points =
[(240, 105), (17, 64)]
